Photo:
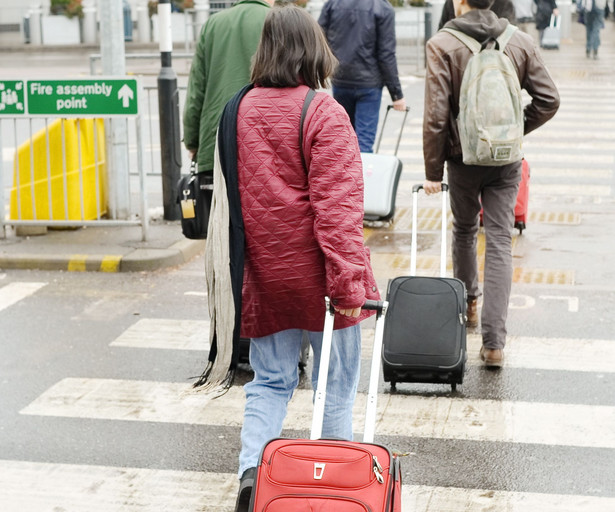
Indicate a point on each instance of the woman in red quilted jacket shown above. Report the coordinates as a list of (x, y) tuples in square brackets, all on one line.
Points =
[(303, 225)]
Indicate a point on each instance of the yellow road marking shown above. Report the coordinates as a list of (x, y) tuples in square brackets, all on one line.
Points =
[(77, 263), (110, 263)]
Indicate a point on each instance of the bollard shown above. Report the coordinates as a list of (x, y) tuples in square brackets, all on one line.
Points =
[(201, 8), (36, 31), (565, 10), (168, 107), (144, 23), (90, 28)]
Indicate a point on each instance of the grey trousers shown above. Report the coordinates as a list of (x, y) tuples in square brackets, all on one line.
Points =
[(496, 189)]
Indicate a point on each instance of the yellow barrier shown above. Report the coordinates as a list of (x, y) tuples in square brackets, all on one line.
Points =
[(83, 139)]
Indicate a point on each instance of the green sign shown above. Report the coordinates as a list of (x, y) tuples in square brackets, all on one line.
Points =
[(12, 99), (70, 98)]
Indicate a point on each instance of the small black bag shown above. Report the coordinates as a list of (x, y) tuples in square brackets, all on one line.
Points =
[(194, 195)]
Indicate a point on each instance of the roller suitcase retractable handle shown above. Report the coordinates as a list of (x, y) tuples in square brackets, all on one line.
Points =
[(321, 389), (414, 227), (401, 130)]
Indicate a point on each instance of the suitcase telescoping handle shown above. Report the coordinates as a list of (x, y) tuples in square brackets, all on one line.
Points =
[(401, 129), (415, 224), (323, 370)]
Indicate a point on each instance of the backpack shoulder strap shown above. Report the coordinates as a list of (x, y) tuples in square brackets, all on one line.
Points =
[(306, 103), (470, 42), (506, 35)]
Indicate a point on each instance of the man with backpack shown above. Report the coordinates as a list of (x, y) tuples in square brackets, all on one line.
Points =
[(474, 121)]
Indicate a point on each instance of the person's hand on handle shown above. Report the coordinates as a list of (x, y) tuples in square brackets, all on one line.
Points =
[(399, 104), (354, 313), (432, 187)]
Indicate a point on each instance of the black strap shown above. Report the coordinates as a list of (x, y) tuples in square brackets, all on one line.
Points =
[(306, 104)]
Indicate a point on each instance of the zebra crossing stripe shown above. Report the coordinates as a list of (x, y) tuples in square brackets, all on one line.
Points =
[(36, 486), (398, 415), (166, 334), (14, 292), (557, 354), (521, 351)]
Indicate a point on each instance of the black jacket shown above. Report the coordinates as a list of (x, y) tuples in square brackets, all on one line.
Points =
[(361, 34)]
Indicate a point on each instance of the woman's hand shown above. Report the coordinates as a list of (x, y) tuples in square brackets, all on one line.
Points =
[(354, 313)]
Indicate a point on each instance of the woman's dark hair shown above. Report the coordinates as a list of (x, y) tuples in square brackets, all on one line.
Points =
[(293, 50)]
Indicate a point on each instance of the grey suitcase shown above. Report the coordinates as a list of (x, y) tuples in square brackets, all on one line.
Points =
[(552, 35), (381, 175), (425, 332)]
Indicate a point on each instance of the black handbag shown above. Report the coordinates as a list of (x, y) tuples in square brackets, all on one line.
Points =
[(194, 195)]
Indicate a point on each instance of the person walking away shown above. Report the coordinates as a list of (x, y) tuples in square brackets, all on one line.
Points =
[(289, 217), (220, 67), (544, 10), (593, 15), (361, 34), (524, 13), (492, 186)]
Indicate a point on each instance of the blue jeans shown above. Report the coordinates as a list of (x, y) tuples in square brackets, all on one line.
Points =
[(363, 108), (274, 361)]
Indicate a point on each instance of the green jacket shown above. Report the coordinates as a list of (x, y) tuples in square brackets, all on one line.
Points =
[(220, 67)]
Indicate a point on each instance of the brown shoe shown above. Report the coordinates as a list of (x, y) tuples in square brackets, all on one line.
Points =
[(472, 313), (492, 357)]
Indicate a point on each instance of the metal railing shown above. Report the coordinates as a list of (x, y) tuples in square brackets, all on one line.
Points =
[(59, 173)]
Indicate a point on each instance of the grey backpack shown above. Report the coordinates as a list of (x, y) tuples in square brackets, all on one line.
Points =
[(490, 117)]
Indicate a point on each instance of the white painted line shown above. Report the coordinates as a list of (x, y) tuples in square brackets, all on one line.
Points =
[(451, 499), (550, 189), (557, 354), (403, 415), (166, 334), (14, 292), (573, 190), (37, 486), (583, 159)]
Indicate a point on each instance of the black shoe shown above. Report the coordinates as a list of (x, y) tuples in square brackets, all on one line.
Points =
[(246, 483)]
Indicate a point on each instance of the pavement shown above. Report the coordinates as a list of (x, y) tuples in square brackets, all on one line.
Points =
[(120, 249)]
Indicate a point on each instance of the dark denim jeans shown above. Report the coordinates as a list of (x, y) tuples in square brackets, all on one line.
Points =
[(363, 107)]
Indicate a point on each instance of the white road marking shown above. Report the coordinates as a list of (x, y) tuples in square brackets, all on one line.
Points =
[(14, 292), (37, 486), (563, 354), (166, 334), (557, 354), (400, 415)]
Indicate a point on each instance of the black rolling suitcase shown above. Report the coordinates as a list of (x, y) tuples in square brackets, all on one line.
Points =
[(425, 332)]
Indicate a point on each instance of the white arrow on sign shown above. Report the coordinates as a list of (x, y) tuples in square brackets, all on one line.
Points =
[(125, 94)]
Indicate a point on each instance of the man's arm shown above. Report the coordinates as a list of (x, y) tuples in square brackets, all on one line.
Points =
[(540, 86), (387, 61), (194, 96)]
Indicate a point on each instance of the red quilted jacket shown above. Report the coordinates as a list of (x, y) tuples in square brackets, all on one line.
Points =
[(304, 231)]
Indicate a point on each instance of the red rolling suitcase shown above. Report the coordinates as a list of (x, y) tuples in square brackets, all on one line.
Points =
[(329, 475), (523, 199)]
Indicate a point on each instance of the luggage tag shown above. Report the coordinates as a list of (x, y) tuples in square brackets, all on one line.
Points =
[(187, 205)]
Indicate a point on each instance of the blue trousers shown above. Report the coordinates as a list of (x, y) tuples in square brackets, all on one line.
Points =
[(274, 360), (363, 108)]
